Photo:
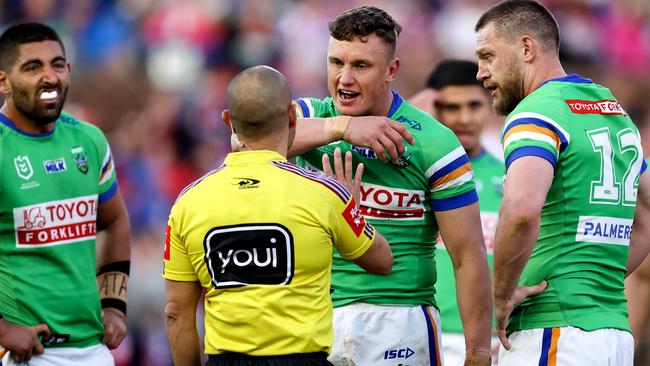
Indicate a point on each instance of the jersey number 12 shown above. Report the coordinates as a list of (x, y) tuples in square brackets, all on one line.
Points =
[(609, 190)]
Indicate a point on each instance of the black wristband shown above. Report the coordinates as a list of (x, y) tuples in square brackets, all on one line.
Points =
[(114, 303), (121, 266)]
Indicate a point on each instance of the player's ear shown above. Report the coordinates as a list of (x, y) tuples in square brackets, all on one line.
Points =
[(393, 67), (225, 116), (528, 48), (5, 86), (292, 115)]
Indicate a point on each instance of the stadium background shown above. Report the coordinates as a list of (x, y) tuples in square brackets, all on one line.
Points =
[(153, 73)]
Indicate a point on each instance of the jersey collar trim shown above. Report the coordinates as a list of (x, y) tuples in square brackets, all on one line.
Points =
[(244, 157), (397, 102), (572, 78), (9, 123)]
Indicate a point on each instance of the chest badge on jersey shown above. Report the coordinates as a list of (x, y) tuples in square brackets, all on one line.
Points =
[(23, 167), (55, 166), (80, 158), (404, 161)]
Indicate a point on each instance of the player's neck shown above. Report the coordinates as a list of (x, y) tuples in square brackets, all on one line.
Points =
[(278, 146), (382, 109), (22, 122), (550, 70)]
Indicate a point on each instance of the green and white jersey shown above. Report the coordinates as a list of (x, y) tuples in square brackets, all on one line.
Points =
[(50, 187), (488, 176), (582, 248), (400, 199)]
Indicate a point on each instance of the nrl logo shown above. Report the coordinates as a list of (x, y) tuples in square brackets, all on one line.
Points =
[(80, 158), (23, 167)]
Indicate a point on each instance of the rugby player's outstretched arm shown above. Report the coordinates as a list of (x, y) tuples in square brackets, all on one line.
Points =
[(381, 134), (180, 312), (461, 230), (640, 237)]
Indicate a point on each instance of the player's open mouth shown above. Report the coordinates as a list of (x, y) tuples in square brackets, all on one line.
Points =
[(492, 89), (49, 95), (346, 95)]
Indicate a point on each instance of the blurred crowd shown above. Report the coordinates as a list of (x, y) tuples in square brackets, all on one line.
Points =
[(153, 75)]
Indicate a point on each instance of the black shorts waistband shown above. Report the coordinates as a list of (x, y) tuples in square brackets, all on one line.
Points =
[(292, 356)]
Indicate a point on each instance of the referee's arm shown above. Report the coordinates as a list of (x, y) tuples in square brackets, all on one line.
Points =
[(180, 311)]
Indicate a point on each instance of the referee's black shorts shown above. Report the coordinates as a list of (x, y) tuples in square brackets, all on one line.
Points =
[(296, 359)]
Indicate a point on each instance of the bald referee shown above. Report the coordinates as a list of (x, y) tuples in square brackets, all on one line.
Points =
[(258, 234)]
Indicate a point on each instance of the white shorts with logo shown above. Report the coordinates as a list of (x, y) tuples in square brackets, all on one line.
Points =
[(453, 348), (390, 335), (97, 355), (569, 346)]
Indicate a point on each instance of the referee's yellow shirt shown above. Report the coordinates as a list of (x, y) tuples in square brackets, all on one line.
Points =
[(258, 234)]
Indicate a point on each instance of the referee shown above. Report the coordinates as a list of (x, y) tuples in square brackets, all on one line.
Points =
[(258, 234)]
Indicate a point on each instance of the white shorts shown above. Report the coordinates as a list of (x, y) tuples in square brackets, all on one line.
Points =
[(366, 335), (97, 355), (453, 348), (569, 346)]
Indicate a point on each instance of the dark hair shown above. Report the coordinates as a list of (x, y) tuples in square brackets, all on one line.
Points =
[(363, 21), (513, 18), (19, 34), (453, 72)]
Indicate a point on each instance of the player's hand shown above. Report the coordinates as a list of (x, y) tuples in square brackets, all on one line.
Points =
[(426, 100), (477, 358), (114, 327), (22, 342), (343, 173), (381, 134), (503, 309)]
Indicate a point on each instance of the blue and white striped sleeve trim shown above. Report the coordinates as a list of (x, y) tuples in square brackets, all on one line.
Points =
[(305, 108), (446, 204)]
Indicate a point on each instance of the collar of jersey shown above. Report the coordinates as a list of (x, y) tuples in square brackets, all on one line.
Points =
[(571, 78), (395, 104), (254, 156), (9, 123)]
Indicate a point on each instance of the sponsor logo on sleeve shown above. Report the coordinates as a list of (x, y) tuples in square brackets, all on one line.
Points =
[(603, 229), (55, 166), (55, 222), (607, 107), (354, 218), (254, 254)]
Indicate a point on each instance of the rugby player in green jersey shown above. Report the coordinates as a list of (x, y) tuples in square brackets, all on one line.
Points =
[(574, 217), (58, 190), (460, 102), (427, 188)]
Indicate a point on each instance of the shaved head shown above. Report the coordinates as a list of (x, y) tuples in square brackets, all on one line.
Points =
[(259, 101)]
